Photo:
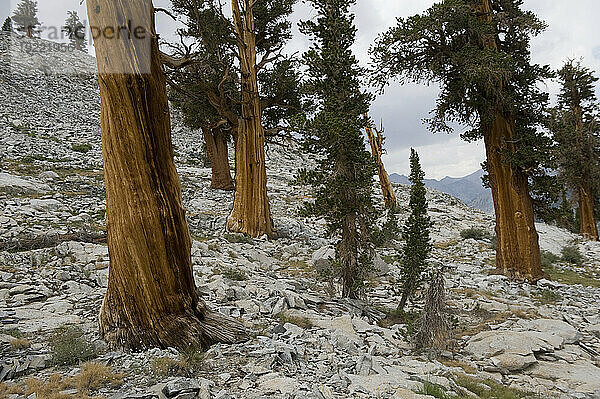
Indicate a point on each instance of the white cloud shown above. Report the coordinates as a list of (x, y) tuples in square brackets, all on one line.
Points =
[(573, 32)]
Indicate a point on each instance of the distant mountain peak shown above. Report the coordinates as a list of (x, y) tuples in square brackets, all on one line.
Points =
[(469, 189)]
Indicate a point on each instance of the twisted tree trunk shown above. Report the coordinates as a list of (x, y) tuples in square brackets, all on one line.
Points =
[(517, 251), (216, 147), (389, 197), (251, 213), (588, 228), (151, 298)]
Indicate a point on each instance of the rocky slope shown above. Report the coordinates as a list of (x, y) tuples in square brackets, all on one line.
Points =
[(538, 341)]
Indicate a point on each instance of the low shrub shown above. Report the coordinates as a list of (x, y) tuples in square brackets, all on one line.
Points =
[(69, 347), (572, 255), (83, 148), (476, 234), (549, 259)]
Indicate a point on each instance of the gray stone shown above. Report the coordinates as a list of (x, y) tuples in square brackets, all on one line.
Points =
[(45, 204), (322, 259), (381, 267), (49, 175), (492, 343), (556, 327), (511, 362), (20, 185), (272, 383), (181, 386)]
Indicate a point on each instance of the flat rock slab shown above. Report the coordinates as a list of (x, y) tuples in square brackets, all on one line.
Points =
[(18, 184), (581, 376), (379, 384), (492, 343)]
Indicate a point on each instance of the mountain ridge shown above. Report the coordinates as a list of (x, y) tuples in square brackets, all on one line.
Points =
[(469, 189)]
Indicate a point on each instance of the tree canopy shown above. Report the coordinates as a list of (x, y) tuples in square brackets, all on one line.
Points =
[(343, 177), (25, 17)]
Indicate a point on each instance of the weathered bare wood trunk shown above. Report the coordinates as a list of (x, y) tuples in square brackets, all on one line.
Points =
[(216, 147), (151, 298), (517, 251), (251, 213), (588, 229), (376, 142)]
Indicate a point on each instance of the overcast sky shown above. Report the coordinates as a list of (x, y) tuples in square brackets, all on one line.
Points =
[(573, 32)]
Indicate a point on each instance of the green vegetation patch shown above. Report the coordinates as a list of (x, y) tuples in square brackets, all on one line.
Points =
[(69, 347)]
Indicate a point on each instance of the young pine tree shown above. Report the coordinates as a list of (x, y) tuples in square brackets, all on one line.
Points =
[(416, 234), (75, 30), (7, 26), (478, 50), (343, 178), (576, 130), (25, 18)]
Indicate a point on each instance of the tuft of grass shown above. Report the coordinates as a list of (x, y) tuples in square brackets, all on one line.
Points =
[(234, 274), (490, 389), (571, 277), (83, 148), (69, 347), (13, 332), (19, 343), (549, 259), (187, 364), (572, 255), (8, 390), (238, 238), (476, 234), (302, 322), (548, 297), (434, 390), (393, 317), (93, 376), (457, 363)]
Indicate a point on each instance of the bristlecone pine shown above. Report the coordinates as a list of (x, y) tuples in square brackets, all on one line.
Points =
[(151, 300), (576, 131), (488, 84), (251, 213), (218, 154)]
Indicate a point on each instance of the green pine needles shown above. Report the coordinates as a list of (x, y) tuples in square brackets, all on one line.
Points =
[(343, 177), (7, 26), (416, 234), (25, 18)]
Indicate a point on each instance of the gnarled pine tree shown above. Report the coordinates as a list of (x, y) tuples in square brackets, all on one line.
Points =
[(576, 130), (478, 50), (343, 178), (240, 82), (151, 298)]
